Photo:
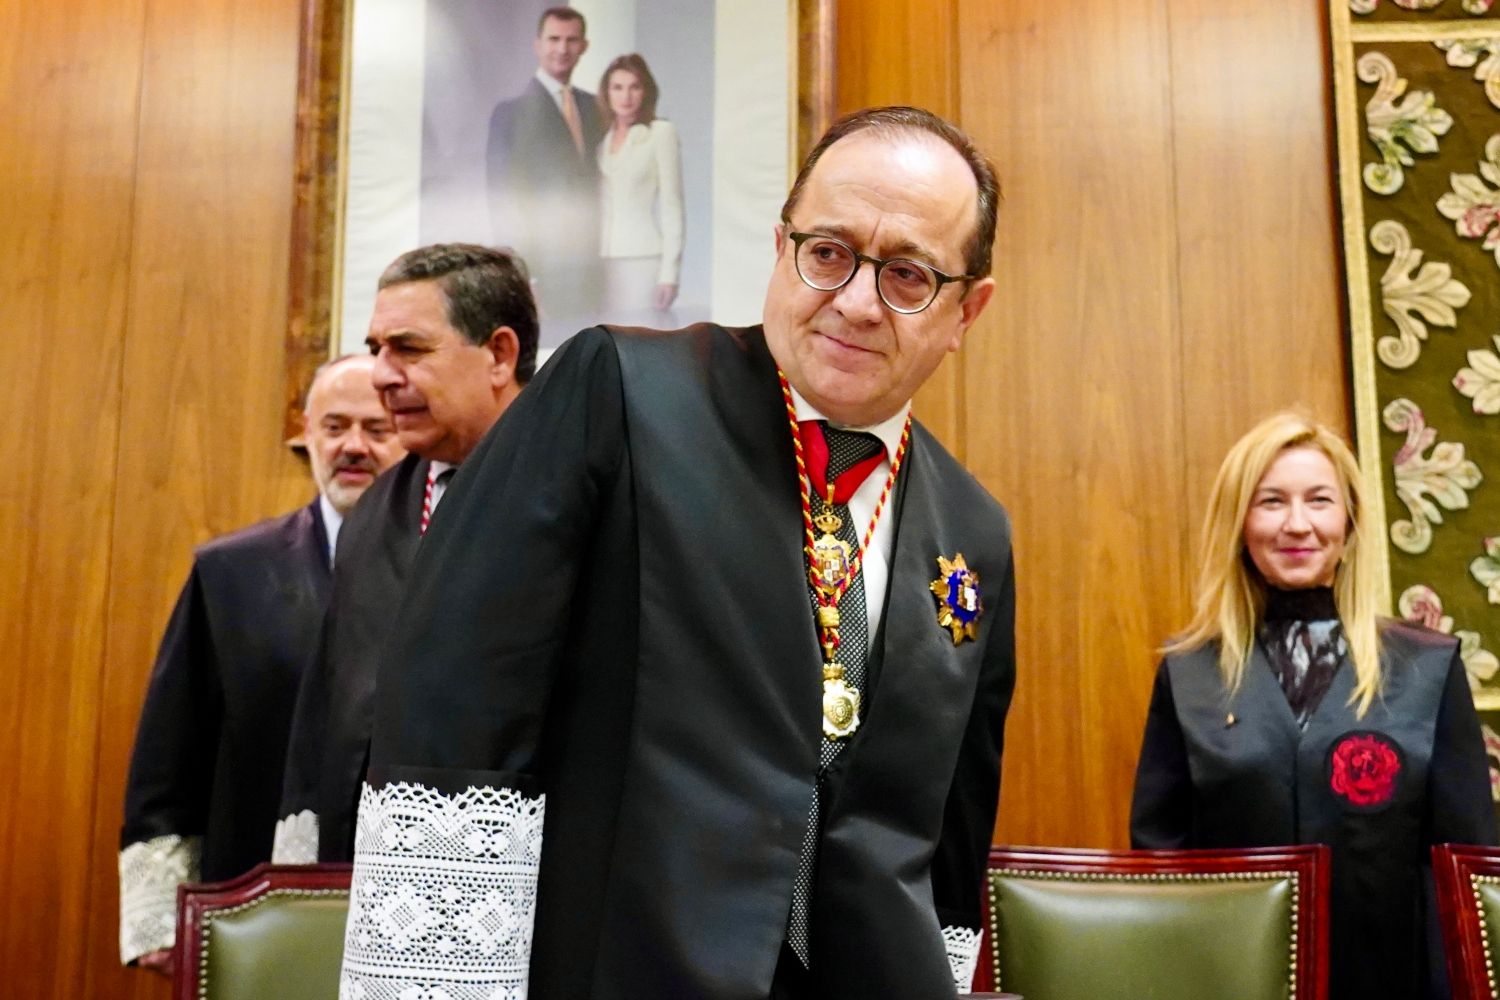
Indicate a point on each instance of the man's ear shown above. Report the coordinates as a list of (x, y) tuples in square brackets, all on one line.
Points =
[(505, 353), (973, 304), (778, 233)]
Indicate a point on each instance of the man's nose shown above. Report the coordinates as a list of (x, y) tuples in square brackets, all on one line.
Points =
[(356, 441), (384, 374), (859, 300)]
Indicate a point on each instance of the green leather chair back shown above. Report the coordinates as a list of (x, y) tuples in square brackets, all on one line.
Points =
[(1468, 891), (1179, 936), (284, 945), (1487, 895)]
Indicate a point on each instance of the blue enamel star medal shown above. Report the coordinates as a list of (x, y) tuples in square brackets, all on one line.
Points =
[(958, 598)]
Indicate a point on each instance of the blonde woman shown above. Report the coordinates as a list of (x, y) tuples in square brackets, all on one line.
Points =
[(1287, 712), (641, 222)]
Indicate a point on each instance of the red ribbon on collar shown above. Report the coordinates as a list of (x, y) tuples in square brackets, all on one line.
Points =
[(815, 451)]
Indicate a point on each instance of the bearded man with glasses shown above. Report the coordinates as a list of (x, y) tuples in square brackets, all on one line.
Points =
[(700, 683)]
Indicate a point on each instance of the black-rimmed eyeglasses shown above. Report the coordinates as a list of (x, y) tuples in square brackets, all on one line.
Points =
[(904, 285)]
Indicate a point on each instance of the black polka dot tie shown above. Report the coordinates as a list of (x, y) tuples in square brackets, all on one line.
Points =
[(845, 450)]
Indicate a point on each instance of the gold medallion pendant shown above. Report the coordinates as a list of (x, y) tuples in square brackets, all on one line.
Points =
[(840, 703)]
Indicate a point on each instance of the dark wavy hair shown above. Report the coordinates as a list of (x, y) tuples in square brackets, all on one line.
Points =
[(486, 288), (634, 63), (899, 119), (561, 14)]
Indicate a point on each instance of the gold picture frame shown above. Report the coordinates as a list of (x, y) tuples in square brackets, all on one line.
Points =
[(316, 228)]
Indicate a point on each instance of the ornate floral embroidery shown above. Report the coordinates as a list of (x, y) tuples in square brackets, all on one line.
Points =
[(1486, 569), (1394, 129), (1363, 768), (1472, 205), (963, 955), (1492, 750), (1474, 7), (443, 894), (1433, 294), (1421, 605), (1466, 52), (1446, 475), (1480, 381), (150, 872), (296, 839), (1479, 663), (1368, 6)]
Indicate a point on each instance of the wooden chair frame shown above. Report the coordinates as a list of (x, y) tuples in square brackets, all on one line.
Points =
[(1458, 870), (1309, 866), (197, 905)]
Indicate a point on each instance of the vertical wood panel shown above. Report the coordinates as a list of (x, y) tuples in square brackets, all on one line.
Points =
[(67, 112), (201, 415), (1074, 417), (1260, 307), (904, 52)]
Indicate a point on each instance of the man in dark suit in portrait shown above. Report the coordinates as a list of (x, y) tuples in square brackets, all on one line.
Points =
[(454, 337), (544, 175), (205, 775), (698, 688)]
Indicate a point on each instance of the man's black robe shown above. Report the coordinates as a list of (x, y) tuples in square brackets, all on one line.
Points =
[(612, 612), (330, 735), (205, 774)]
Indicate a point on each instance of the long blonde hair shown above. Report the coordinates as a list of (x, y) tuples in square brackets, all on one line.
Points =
[(1230, 596)]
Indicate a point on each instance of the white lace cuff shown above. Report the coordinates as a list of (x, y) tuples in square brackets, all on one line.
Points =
[(150, 872), (443, 894), (296, 840), (963, 955)]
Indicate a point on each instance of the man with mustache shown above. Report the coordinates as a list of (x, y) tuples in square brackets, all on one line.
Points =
[(454, 338), (205, 775)]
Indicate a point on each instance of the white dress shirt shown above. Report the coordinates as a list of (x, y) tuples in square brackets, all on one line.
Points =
[(332, 521)]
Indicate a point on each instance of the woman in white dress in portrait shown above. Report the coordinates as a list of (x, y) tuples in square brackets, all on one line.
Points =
[(641, 225)]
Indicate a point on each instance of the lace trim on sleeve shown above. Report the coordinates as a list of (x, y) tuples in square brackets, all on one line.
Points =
[(150, 872), (443, 894), (296, 839), (963, 955)]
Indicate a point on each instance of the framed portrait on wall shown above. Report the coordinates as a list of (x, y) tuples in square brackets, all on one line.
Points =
[(425, 121)]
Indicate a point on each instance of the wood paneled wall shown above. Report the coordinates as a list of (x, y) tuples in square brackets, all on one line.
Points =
[(145, 188), (1167, 274)]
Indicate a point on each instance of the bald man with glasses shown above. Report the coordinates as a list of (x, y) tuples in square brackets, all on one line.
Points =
[(699, 687)]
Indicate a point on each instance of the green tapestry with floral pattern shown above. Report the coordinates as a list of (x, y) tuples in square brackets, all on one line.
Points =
[(1417, 101)]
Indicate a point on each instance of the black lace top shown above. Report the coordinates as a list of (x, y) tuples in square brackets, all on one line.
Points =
[(1304, 640)]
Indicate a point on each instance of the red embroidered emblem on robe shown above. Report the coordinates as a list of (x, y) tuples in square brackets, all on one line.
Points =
[(1363, 768)]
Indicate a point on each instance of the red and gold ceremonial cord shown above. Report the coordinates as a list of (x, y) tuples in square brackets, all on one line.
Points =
[(831, 579)]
